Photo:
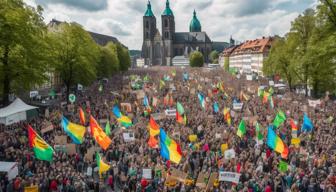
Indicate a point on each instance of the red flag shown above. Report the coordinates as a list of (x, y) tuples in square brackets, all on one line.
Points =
[(81, 116)]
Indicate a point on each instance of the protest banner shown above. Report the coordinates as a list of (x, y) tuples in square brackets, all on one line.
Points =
[(33, 188), (61, 139), (126, 107), (46, 127), (238, 106), (229, 154), (90, 152), (314, 103), (170, 112), (202, 179), (70, 148), (147, 173), (211, 182), (229, 176), (128, 137)]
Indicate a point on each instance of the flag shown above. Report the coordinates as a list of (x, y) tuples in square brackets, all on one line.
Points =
[(173, 73), (265, 96), (154, 128), (171, 100), (102, 166), (283, 166), (108, 128), (241, 129), (275, 143), (81, 116), (75, 132), (259, 134), (145, 101), (152, 142), (122, 119), (162, 84), (146, 78), (166, 100), (154, 102), (216, 107), (260, 92), (42, 149), (201, 100), (271, 102), (307, 125), (271, 90), (180, 115), (170, 150), (227, 116), (98, 134), (294, 128), (279, 119)]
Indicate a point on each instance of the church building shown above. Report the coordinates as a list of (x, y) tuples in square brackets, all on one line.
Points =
[(160, 49)]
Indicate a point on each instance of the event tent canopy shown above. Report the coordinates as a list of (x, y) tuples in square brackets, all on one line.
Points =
[(10, 167), (14, 112)]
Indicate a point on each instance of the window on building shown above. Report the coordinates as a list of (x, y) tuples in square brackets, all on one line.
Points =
[(166, 35), (166, 22), (147, 35), (176, 51), (147, 25)]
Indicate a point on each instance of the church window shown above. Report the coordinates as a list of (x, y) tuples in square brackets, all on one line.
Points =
[(166, 22), (147, 24)]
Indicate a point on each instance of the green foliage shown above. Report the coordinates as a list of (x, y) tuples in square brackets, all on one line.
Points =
[(109, 62), (123, 57), (214, 57), (23, 48), (196, 59), (226, 64), (306, 56), (75, 54)]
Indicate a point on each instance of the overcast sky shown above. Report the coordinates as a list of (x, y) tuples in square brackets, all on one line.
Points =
[(243, 19)]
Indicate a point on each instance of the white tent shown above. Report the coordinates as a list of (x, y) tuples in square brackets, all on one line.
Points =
[(14, 112), (10, 167)]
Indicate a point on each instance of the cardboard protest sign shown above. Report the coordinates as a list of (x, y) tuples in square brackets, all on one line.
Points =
[(238, 106), (46, 127), (229, 176), (71, 149), (126, 107), (229, 154), (178, 175), (147, 173), (61, 139), (128, 137), (192, 91), (211, 182), (89, 154), (314, 103), (202, 179), (71, 108)]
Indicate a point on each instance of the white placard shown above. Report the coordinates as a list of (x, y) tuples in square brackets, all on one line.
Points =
[(33, 94), (314, 103), (147, 173), (238, 106), (229, 176), (271, 83), (249, 77), (170, 112), (128, 137), (218, 135), (229, 154)]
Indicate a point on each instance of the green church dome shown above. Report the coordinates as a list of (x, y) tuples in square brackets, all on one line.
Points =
[(195, 25), (149, 12), (167, 11)]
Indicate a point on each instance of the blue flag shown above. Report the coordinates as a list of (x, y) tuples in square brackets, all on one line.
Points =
[(185, 76), (216, 107), (307, 125), (145, 101)]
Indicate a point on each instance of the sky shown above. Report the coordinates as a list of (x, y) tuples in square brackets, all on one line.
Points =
[(241, 19)]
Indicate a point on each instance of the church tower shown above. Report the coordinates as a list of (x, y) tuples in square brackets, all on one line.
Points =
[(149, 32), (168, 31)]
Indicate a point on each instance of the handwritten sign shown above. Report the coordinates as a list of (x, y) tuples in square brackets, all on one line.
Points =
[(128, 137), (61, 140), (170, 112), (229, 154), (238, 106), (229, 176), (202, 179), (314, 103)]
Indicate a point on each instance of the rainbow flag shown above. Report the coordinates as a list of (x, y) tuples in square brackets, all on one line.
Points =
[(227, 116), (42, 149), (180, 115), (98, 134), (76, 132), (122, 119), (294, 128), (102, 166), (154, 128), (275, 143), (201, 100), (81, 116), (170, 150)]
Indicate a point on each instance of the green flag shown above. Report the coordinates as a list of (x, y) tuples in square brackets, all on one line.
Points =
[(241, 129), (108, 128), (258, 132), (279, 119), (260, 92), (180, 108), (283, 166), (162, 83)]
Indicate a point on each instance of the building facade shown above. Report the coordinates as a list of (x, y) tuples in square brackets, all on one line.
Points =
[(249, 56), (160, 49)]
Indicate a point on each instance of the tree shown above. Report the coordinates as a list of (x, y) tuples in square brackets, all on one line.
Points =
[(22, 47), (108, 63), (123, 57), (226, 64), (75, 55), (214, 57), (196, 59)]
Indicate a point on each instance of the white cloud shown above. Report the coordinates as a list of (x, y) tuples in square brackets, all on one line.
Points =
[(243, 19)]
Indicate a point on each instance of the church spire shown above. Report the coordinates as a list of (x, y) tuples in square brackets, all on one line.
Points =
[(149, 12), (168, 11), (195, 25)]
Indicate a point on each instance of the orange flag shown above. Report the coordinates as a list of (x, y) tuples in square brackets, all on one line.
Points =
[(152, 142), (81, 116), (98, 134)]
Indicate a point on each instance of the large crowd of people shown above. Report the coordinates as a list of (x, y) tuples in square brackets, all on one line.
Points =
[(311, 164)]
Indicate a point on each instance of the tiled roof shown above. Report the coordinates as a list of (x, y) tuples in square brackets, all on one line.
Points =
[(254, 46), (191, 37)]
